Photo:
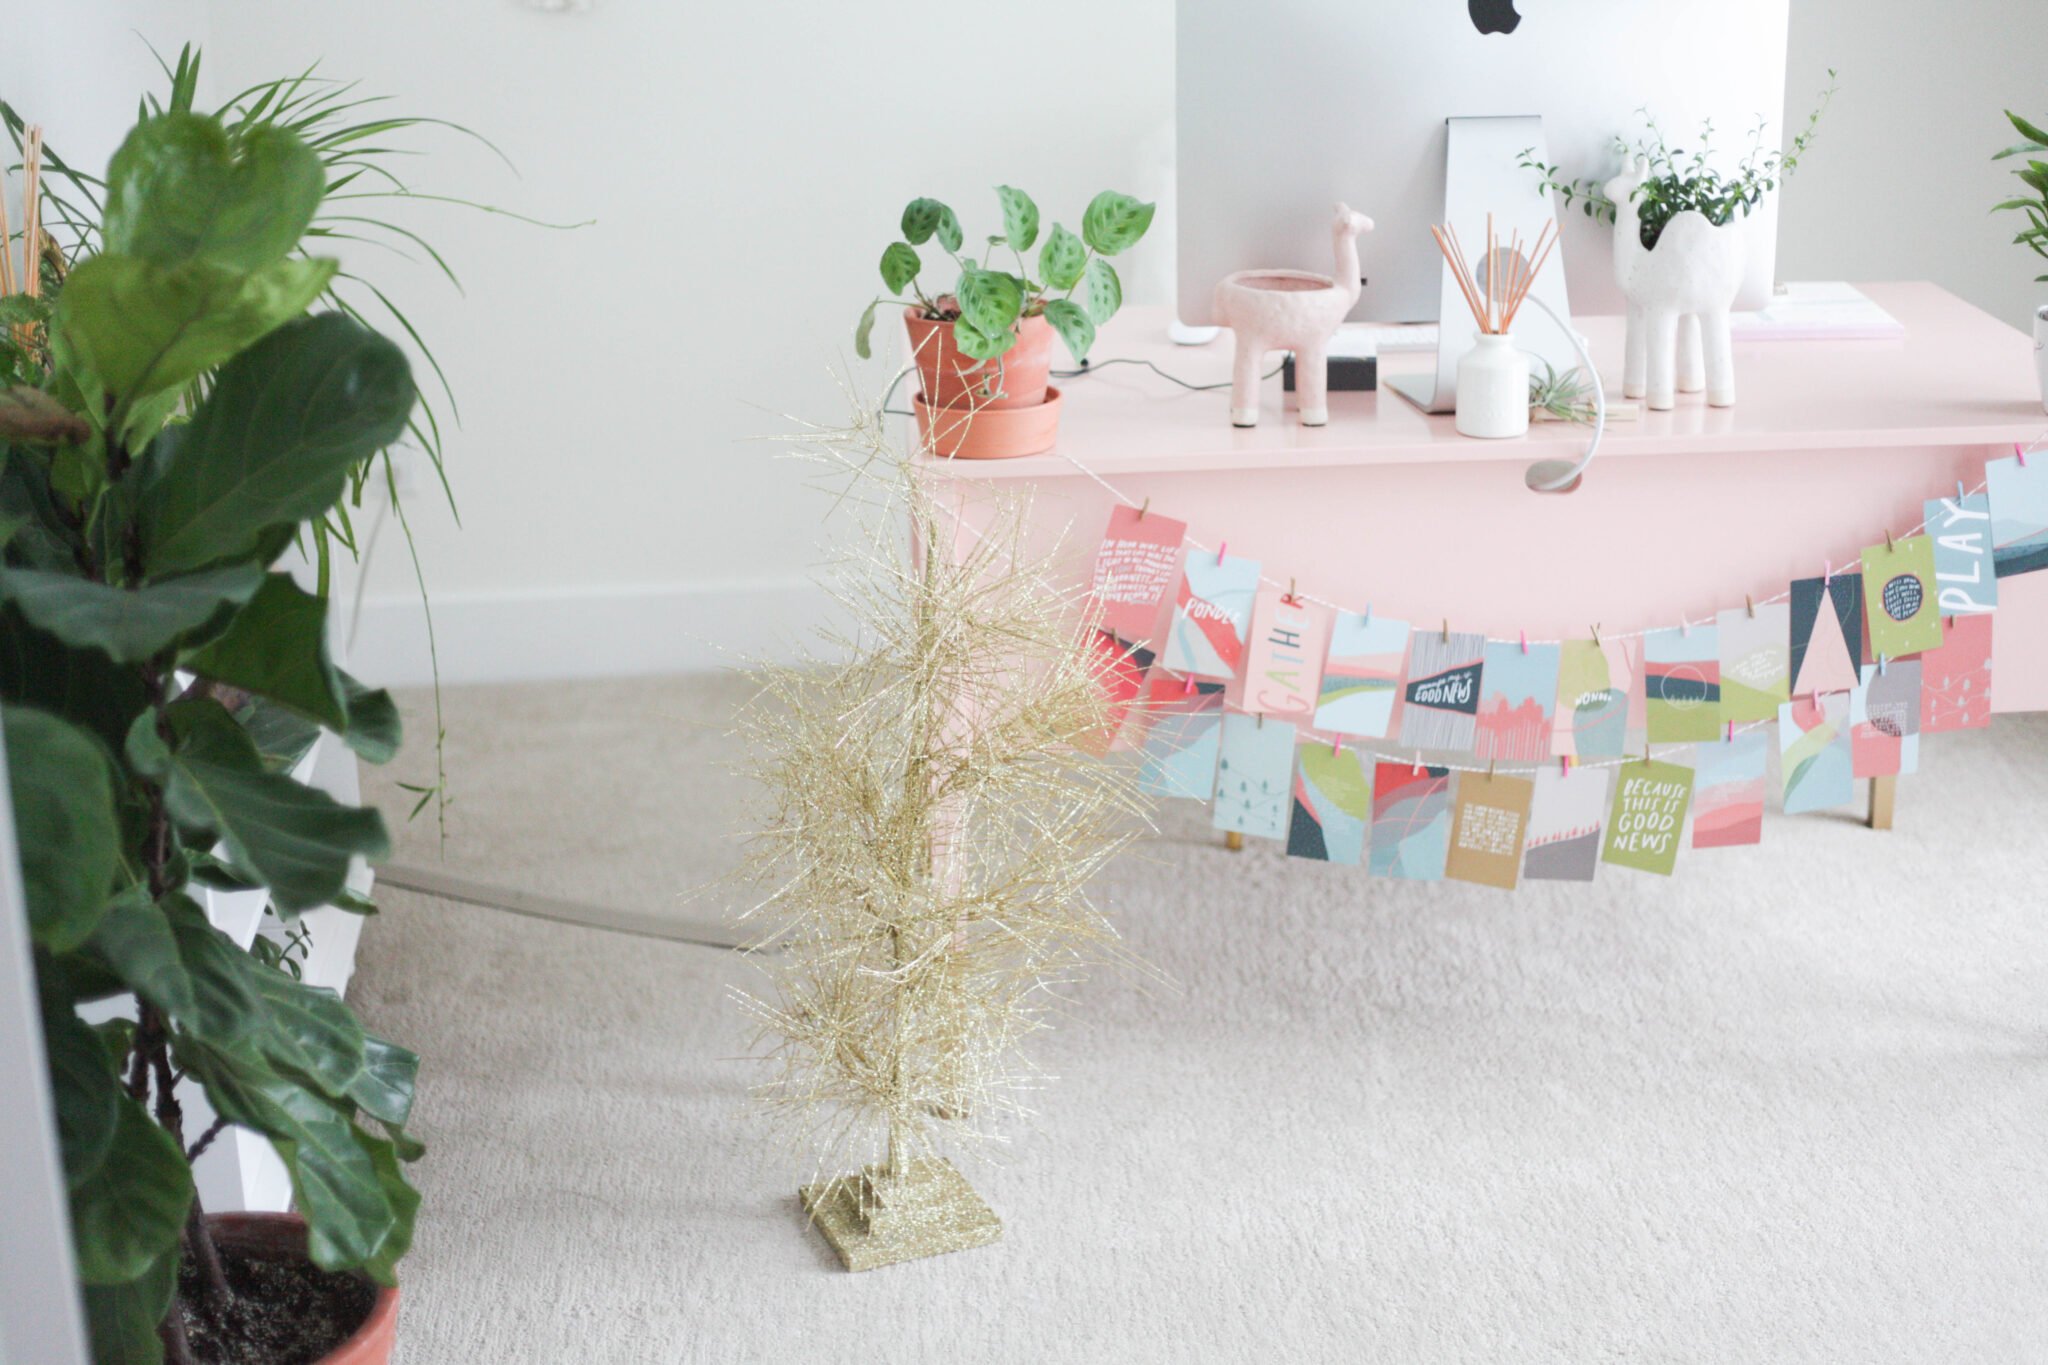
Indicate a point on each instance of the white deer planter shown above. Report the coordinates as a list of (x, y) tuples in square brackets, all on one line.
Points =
[(1678, 297), (1290, 310)]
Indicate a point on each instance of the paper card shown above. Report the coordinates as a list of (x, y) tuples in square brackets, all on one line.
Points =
[(1362, 677), (1284, 674), (1682, 683), (1956, 679), (1517, 701), (1566, 815), (1212, 613), (2019, 514), (1884, 721), (1489, 822), (1332, 804), (1756, 662), (1729, 791), (1647, 820), (1135, 568), (1178, 757), (1253, 773), (1813, 753), (1411, 821), (1440, 702), (1964, 581), (1898, 587), (1827, 633), (1600, 703)]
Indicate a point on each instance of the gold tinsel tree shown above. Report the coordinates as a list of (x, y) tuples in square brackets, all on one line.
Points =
[(937, 805)]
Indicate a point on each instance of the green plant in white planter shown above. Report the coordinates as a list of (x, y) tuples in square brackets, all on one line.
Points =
[(2034, 236)]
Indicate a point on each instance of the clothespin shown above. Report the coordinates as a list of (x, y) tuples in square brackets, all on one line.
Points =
[(1596, 635), (1290, 599), (1143, 510), (1685, 627), (1190, 685), (1417, 770), (1447, 630), (1368, 613), (1564, 765), (1220, 548), (2020, 451), (1646, 753), (1336, 745), (1827, 580), (1729, 737), (1882, 664), (1525, 641), (1489, 768), (1750, 602), (1262, 721), (1960, 494), (1889, 545)]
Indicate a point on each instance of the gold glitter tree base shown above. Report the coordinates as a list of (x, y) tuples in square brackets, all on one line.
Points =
[(872, 1220)]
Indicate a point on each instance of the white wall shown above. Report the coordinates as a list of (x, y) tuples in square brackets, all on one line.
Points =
[(745, 163)]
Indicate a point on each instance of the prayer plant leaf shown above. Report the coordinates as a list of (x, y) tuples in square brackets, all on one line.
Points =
[(1102, 292), (1020, 217), (273, 443), (900, 265), (1062, 259), (66, 825), (1071, 321), (1114, 222)]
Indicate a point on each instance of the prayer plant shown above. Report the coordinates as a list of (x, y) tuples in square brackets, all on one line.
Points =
[(2034, 175), (986, 303), (175, 418)]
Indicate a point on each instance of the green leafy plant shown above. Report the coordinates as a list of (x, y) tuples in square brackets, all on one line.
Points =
[(986, 303), (177, 422), (2034, 175), (1681, 180), (1562, 394)]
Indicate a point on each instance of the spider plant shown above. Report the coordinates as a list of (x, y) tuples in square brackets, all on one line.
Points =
[(358, 142)]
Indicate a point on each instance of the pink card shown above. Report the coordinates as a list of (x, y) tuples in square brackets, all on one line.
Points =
[(1956, 679), (1136, 567), (1284, 672)]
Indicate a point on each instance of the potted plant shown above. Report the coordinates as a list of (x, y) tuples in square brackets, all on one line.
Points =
[(173, 420), (1665, 197), (983, 350), (2034, 204)]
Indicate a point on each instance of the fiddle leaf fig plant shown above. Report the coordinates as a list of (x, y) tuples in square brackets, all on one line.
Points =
[(985, 303), (176, 422), (2034, 175)]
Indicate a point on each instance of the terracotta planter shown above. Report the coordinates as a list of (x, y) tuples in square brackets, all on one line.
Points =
[(282, 1236), (1016, 379), (989, 433)]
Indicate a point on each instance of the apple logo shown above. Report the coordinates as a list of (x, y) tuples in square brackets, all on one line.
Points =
[(1493, 16)]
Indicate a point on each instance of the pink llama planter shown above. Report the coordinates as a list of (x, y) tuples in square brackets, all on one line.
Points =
[(1290, 310)]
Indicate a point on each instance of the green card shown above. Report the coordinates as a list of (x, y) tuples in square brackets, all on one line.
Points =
[(1898, 586), (1648, 816)]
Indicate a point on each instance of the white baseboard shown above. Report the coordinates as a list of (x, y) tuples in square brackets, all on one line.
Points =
[(582, 632)]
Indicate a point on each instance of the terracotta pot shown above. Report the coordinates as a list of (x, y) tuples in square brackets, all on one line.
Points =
[(953, 380), (989, 433), (282, 1236)]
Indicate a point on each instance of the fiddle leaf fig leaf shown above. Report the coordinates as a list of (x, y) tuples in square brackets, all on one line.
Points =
[(277, 647), (65, 824), (181, 187), (130, 1213), (383, 1089), (85, 1092), (1020, 217), (1071, 321), (123, 1318), (991, 300), (900, 265), (1101, 290), (274, 441), (129, 625), (136, 940), (1062, 259), (374, 728), (1114, 222), (980, 345), (297, 839), (128, 328)]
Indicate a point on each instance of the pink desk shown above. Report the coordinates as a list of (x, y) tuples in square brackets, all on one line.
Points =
[(1684, 512)]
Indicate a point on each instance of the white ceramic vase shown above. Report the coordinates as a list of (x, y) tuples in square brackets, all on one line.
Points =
[(2041, 351), (1493, 389), (1679, 294)]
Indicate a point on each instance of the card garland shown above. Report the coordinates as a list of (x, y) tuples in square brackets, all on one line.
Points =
[(1277, 709)]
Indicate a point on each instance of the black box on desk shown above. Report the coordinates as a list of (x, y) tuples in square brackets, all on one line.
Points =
[(1348, 373)]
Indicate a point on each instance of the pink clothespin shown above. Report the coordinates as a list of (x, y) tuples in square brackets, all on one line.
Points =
[(1220, 549), (1190, 680), (1525, 641), (1564, 764), (1336, 745), (2020, 451), (1827, 580), (1729, 738)]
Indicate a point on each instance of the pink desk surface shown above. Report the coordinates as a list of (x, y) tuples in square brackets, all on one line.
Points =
[(1688, 511)]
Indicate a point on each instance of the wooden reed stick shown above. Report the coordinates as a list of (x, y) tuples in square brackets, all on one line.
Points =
[(1457, 271), (6, 243), (31, 212)]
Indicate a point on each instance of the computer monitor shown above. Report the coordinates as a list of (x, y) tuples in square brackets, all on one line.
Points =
[(1286, 107)]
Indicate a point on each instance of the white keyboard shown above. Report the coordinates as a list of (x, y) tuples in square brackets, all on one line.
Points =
[(1382, 338)]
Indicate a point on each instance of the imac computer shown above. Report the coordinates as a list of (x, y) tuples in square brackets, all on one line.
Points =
[(1285, 107)]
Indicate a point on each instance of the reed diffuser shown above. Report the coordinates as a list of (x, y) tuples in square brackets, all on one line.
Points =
[(1493, 377)]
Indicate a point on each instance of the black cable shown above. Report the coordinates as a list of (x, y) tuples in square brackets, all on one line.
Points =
[(1089, 367)]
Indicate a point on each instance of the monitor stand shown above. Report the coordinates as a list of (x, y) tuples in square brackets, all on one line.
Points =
[(1483, 174)]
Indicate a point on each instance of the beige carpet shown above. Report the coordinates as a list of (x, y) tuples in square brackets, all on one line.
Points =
[(1791, 1106)]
